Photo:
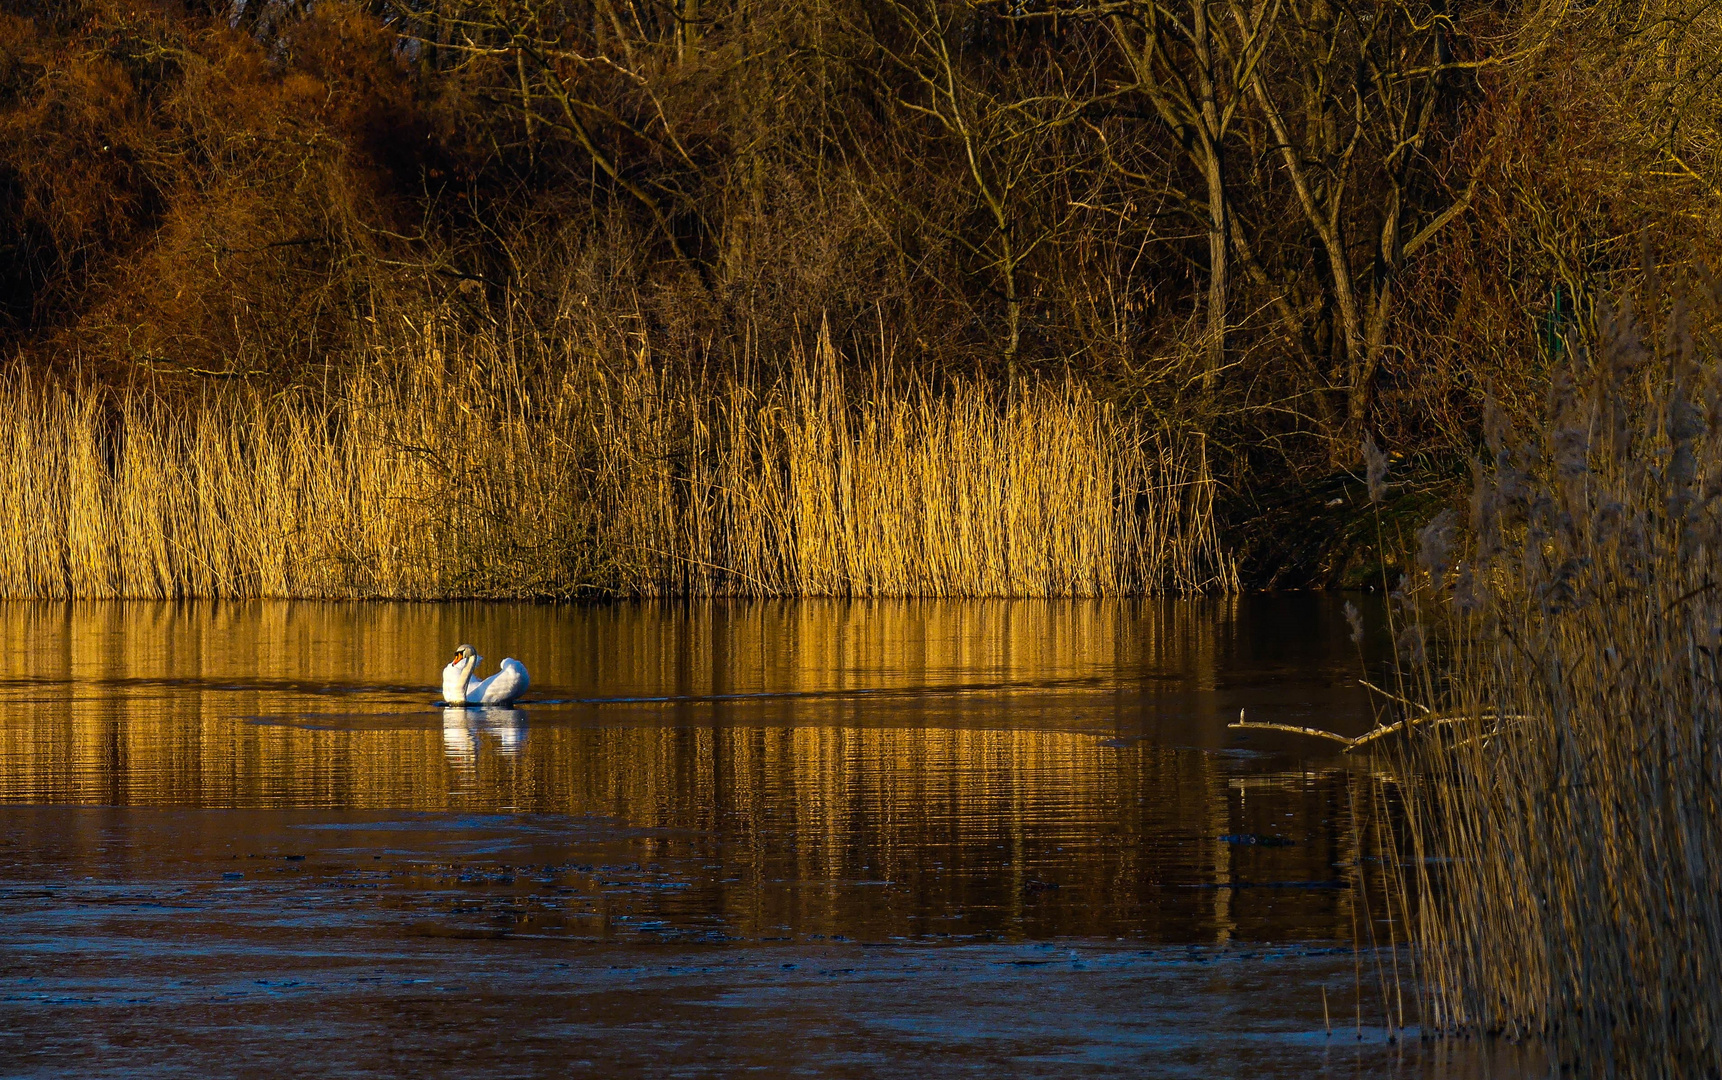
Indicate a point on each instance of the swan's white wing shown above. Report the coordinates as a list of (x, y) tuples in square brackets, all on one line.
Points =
[(475, 690), (503, 687)]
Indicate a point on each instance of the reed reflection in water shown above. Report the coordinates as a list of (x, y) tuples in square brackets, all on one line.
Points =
[(871, 769)]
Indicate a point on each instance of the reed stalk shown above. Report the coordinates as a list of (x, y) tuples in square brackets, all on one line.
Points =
[(1566, 837), (449, 466)]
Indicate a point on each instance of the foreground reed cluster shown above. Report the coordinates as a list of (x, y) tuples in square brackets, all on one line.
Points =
[(1566, 817), (453, 466)]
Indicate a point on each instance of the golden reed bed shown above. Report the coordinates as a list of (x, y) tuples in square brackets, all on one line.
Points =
[(1566, 832), (443, 469)]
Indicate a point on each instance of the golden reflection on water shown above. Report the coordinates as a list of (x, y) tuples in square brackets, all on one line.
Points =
[(1062, 765)]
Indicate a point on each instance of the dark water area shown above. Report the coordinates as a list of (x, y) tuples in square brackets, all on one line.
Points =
[(812, 838)]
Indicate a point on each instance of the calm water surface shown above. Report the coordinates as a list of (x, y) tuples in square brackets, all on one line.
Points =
[(820, 838)]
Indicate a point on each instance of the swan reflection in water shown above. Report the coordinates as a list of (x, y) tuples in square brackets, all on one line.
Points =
[(464, 727)]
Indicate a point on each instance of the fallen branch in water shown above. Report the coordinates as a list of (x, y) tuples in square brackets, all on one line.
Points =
[(1314, 732), (1368, 737)]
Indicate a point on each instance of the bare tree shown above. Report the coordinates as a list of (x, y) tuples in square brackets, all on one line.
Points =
[(998, 115), (1349, 98), (1186, 61), (577, 68)]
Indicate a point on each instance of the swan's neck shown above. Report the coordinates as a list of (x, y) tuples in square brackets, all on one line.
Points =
[(455, 679)]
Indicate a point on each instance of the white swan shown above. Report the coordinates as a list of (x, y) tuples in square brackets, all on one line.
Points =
[(459, 688)]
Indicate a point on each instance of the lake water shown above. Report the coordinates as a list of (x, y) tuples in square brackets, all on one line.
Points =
[(816, 838)]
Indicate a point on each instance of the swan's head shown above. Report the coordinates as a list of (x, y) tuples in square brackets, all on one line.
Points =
[(464, 655)]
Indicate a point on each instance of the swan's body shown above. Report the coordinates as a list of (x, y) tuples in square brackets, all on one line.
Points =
[(459, 687)]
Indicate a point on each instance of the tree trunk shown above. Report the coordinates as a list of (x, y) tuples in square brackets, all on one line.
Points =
[(1351, 327), (1013, 308), (1216, 344), (1215, 359), (1360, 401)]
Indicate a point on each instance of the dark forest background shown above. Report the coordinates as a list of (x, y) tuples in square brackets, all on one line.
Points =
[(1286, 224)]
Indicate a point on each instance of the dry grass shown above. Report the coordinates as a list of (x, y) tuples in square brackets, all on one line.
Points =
[(1573, 816), (453, 466)]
